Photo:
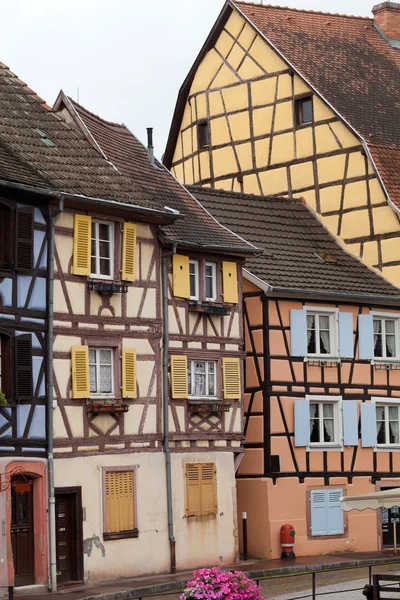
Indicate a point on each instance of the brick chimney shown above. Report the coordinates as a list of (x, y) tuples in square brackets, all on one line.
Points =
[(387, 20)]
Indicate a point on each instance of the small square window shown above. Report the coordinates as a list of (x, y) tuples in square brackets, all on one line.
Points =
[(304, 111), (203, 135), (386, 338), (101, 372), (202, 378), (321, 334), (102, 263)]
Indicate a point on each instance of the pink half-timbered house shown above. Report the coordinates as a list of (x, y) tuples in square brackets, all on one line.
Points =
[(322, 383)]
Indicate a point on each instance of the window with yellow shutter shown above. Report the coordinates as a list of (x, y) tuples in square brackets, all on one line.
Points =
[(231, 378), (119, 516), (201, 489)]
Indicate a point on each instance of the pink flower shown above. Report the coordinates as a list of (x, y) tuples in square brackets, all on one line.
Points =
[(214, 584)]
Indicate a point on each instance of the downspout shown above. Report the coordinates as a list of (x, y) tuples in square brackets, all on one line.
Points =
[(164, 276), (50, 394)]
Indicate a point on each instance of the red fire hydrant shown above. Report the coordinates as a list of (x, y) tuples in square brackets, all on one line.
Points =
[(287, 541)]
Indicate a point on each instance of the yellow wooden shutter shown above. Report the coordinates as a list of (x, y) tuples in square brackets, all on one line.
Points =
[(180, 276), (230, 282), (208, 499), (128, 373), (80, 372), (82, 245), (231, 378), (128, 270), (120, 503), (179, 376), (193, 481)]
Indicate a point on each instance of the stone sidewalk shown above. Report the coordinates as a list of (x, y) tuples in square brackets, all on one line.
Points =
[(136, 587)]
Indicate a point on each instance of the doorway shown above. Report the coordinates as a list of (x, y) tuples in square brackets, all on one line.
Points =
[(389, 516), (69, 536), (22, 533)]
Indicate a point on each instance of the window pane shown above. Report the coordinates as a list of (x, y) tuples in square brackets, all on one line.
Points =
[(310, 321), (324, 322), (390, 346), (389, 325), (92, 355), (190, 378), (209, 287), (211, 367), (393, 432), (377, 326), (324, 342), (328, 410), (211, 385), (393, 413), (105, 266), (104, 231), (311, 342), (105, 249), (380, 425), (200, 367), (199, 384), (329, 430), (314, 423), (193, 279), (105, 380), (307, 110), (378, 345), (105, 357), (93, 386)]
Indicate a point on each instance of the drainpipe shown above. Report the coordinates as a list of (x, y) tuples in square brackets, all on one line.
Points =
[(164, 275), (50, 394)]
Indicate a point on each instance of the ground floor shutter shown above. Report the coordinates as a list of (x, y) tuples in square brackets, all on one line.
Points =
[(326, 512), (335, 512), (120, 514)]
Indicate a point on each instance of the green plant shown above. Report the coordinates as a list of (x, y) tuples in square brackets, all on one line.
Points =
[(3, 401)]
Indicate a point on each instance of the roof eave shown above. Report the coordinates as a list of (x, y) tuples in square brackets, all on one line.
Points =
[(218, 249)]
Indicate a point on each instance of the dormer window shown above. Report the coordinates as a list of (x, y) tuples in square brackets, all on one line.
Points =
[(203, 135), (303, 111)]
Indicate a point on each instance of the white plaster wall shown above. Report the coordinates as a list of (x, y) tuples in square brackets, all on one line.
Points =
[(149, 553), (210, 540)]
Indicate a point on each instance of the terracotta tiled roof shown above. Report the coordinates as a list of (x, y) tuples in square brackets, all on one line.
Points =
[(198, 228), (291, 235), (388, 162), (349, 62), (37, 147)]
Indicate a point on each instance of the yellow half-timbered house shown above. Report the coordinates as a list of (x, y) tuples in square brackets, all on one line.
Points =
[(148, 360), (304, 104)]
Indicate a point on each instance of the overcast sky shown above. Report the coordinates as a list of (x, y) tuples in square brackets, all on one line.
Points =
[(127, 57)]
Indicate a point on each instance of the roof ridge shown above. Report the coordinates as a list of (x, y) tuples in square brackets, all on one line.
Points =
[(89, 112), (39, 98), (301, 10)]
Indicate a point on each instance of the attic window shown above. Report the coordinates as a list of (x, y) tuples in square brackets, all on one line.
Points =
[(303, 109), (325, 257), (46, 141), (203, 135)]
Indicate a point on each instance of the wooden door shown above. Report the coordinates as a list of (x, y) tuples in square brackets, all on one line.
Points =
[(69, 536), (22, 531)]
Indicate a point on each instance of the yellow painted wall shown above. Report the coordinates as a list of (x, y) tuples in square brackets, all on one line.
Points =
[(246, 92)]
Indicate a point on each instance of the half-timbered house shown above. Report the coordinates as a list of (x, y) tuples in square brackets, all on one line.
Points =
[(177, 314), (302, 104), (322, 390)]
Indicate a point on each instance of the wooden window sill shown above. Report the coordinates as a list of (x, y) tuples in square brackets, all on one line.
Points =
[(120, 535)]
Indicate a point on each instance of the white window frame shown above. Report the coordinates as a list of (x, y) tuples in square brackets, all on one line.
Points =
[(333, 314), (111, 226), (191, 362), (196, 278), (102, 394), (393, 317), (383, 401), (214, 280), (337, 422)]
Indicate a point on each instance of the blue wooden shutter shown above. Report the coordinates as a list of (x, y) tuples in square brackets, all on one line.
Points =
[(301, 422), (350, 423), (335, 512), (368, 425), (318, 500), (365, 337), (346, 346), (298, 333)]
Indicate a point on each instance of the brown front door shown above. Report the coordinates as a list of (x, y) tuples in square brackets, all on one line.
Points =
[(22, 530), (69, 535)]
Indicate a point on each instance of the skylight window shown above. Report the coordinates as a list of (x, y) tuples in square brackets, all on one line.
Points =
[(46, 141), (325, 257)]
